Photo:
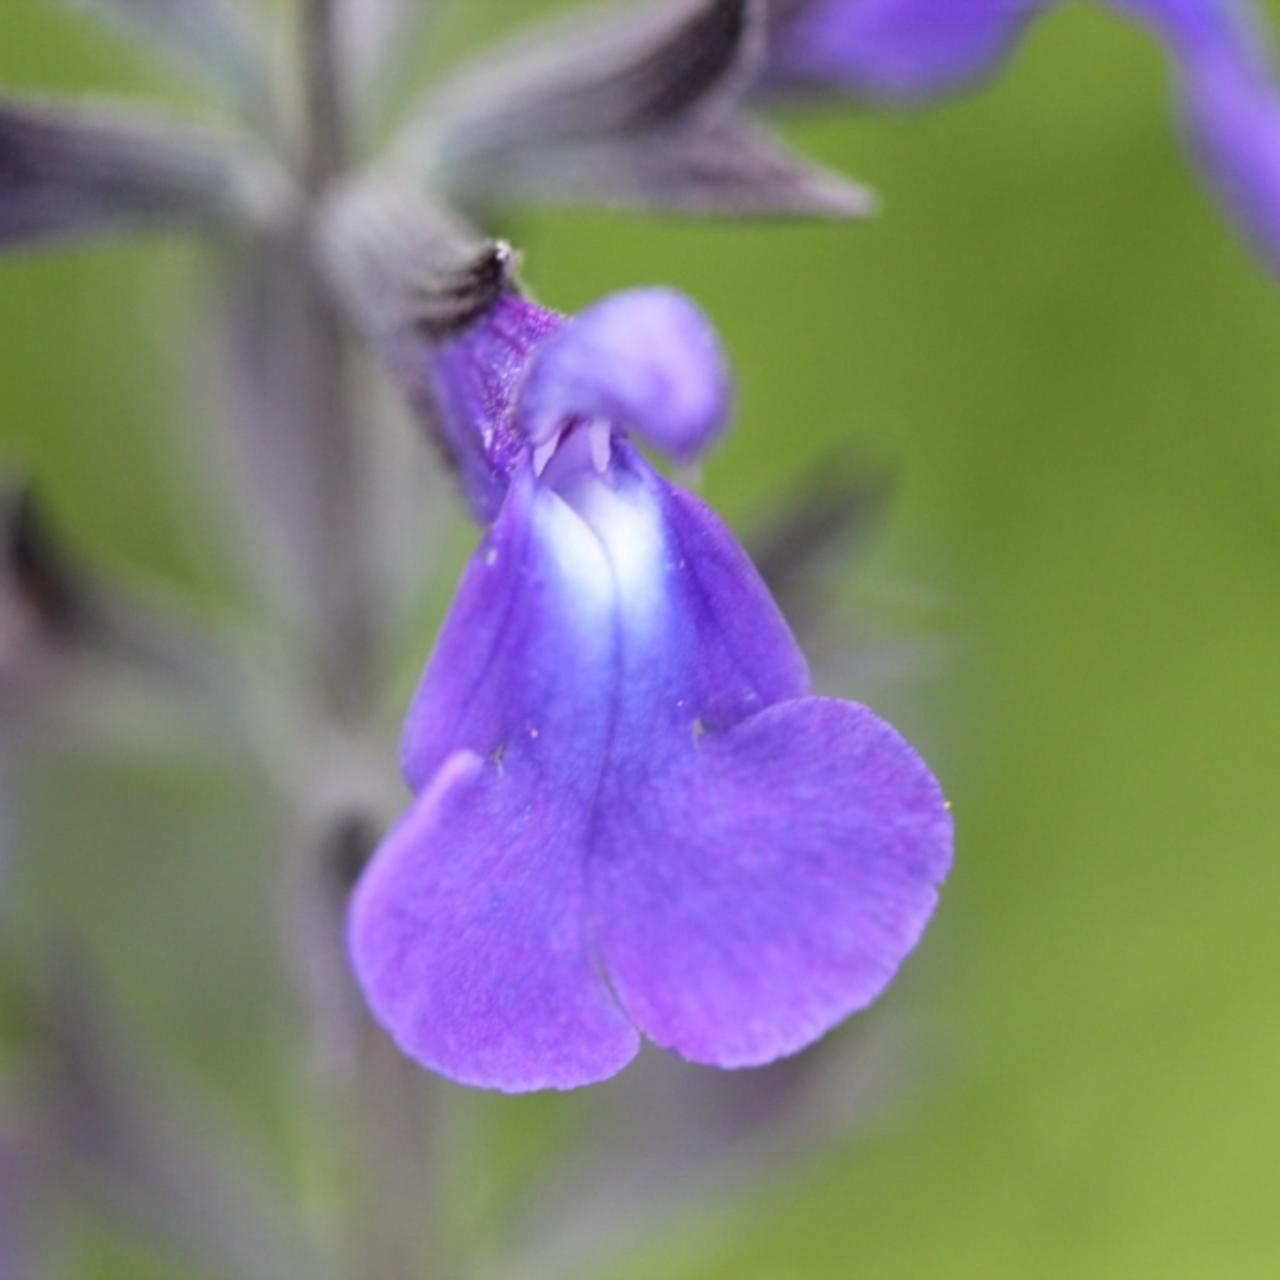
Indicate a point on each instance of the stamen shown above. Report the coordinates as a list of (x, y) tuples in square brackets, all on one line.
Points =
[(544, 452), (601, 438)]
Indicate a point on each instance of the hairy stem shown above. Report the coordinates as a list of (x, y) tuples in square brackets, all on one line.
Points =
[(376, 1121), (342, 635), (326, 142)]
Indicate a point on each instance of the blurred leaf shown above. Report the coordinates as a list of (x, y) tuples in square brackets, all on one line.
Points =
[(611, 75), (82, 169), (120, 1136), (734, 170), (633, 107), (220, 37)]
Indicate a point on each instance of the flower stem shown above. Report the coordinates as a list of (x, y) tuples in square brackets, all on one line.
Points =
[(342, 637), (326, 143), (376, 1123)]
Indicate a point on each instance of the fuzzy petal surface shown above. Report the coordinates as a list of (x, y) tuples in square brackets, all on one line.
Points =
[(470, 936), (769, 882), (474, 380), (527, 656)]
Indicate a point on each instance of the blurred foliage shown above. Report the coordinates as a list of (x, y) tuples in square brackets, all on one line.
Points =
[(1067, 361)]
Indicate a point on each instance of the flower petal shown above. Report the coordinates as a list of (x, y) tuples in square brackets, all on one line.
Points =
[(1194, 27), (913, 50), (469, 936), (748, 864), (646, 359), (594, 620), (894, 50), (1233, 121), (769, 881), (526, 660), (1230, 103), (700, 643)]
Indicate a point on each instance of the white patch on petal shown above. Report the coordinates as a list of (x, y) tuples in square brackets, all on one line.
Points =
[(627, 522), (582, 568)]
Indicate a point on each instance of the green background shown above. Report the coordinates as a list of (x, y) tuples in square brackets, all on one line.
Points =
[(1067, 362)]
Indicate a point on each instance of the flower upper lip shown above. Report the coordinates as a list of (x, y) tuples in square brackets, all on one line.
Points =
[(524, 379)]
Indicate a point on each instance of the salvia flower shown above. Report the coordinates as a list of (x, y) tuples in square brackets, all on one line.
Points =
[(908, 51), (1229, 101), (893, 51), (631, 814)]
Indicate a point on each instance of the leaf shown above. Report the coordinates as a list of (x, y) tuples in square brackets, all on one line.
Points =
[(21, 1205), (403, 265), (623, 74), (734, 170), (220, 37), (639, 109), (80, 169), (113, 1130), (372, 36)]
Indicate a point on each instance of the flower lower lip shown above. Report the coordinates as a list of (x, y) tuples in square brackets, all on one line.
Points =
[(633, 817)]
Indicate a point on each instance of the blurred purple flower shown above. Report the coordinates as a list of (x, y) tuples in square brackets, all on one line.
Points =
[(631, 815), (894, 50), (905, 51), (1229, 102)]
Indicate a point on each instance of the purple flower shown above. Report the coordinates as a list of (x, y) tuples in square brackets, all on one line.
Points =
[(631, 814), (902, 51), (1229, 104), (895, 50)]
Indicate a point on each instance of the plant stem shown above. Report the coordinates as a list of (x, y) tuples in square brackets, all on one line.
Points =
[(342, 635), (376, 1109), (326, 143)]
